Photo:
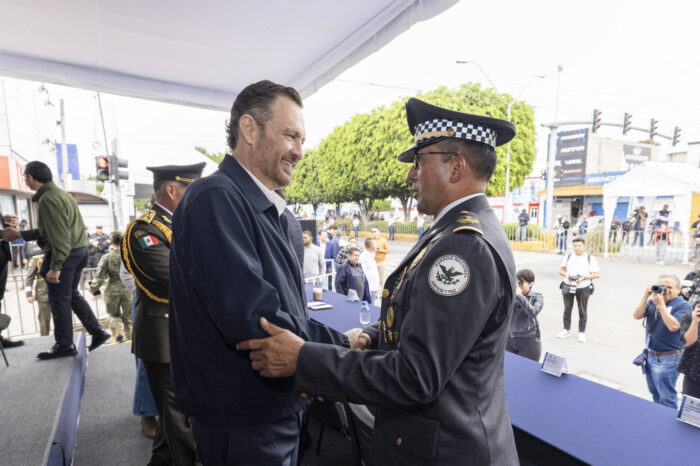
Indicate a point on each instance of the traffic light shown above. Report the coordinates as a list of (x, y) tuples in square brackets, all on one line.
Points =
[(596, 119), (627, 124), (676, 135), (103, 168), (653, 129), (543, 175), (115, 169)]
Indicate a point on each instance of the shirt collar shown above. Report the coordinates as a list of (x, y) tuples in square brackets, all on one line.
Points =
[(452, 204), (161, 206), (276, 199)]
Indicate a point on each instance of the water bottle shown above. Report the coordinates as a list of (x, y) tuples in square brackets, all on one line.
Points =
[(364, 313)]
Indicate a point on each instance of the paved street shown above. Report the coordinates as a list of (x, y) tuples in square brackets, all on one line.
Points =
[(614, 338)]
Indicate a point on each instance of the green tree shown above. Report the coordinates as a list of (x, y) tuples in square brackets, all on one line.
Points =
[(305, 189), (216, 157), (357, 161)]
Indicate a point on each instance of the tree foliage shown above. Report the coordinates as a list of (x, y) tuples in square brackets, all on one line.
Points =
[(216, 157)]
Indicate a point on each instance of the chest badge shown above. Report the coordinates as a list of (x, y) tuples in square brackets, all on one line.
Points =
[(390, 317), (418, 258), (449, 275)]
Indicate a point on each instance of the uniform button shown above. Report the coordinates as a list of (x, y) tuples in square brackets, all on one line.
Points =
[(166, 316), (385, 293), (399, 441), (340, 403), (319, 398), (304, 395)]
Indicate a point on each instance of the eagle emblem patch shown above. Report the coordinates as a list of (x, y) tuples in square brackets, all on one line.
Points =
[(449, 275)]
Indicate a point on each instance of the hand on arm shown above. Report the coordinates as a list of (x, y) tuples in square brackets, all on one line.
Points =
[(275, 356)]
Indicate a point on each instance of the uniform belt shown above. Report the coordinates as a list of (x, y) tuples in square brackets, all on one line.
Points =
[(664, 353)]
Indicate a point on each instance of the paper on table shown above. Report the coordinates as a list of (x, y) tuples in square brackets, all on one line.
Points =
[(554, 364), (690, 411)]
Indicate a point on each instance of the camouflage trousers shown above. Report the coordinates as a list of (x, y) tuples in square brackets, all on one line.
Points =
[(119, 309), (44, 317)]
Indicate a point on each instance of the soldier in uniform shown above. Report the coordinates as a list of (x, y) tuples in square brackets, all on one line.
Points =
[(99, 245), (434, 367), (146, 255), (117, 297), (37, 290)]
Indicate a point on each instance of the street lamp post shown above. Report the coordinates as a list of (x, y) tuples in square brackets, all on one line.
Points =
[(509, 106)]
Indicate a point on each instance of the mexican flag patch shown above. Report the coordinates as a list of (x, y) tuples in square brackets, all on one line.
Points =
[(148, 241)]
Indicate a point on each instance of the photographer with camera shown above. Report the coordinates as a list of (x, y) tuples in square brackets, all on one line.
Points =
[(663, 308), (579, 270), (690, 362), (638, 225)]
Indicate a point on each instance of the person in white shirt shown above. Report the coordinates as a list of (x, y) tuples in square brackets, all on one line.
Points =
[(369, 265), (355, 225), (314, 263), (579, 270)]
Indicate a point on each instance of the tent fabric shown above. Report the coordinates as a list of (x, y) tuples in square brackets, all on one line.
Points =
[(197, 53), (650, 180)]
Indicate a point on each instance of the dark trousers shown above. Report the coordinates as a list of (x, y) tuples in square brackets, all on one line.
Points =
[(173, 443), (638, 234), (582, 295), (530, 348), (64, 296), (691, 387), (266, 444), (18, 256)]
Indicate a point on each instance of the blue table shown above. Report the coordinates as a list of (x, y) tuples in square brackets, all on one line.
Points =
[(344, 315), (591, 422), (595, 423)]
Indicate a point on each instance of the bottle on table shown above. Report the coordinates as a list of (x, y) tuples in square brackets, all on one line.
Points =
[(364, 313)]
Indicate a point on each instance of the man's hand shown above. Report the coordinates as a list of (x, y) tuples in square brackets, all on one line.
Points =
[(275, 356), (30, 299), (580, 280), (53, 276), (359, 340), (10, 234), (647, 291), (658, 299), (696, 314)]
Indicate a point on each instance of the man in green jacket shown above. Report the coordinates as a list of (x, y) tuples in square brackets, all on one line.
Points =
[(61, 234)]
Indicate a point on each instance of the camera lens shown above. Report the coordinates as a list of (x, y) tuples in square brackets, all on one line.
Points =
[(658, 289)]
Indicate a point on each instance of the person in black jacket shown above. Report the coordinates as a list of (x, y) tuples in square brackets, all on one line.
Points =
[(524, 331)]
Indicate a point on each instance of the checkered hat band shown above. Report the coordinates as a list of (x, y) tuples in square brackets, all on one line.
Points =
[(456, 129)]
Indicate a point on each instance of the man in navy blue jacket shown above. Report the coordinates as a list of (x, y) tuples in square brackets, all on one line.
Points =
[(231, 264)]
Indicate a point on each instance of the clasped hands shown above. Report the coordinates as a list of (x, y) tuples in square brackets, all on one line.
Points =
[(277, 355)]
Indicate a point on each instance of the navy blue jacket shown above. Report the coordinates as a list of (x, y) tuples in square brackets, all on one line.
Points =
[(331, 251), (344, 281), (230, 264)]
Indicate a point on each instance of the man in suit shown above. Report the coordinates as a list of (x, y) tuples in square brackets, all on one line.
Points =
[(232, 263), (146, 255), (439, 394)]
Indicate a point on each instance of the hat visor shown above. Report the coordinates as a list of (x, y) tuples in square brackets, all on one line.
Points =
[(410, 154)]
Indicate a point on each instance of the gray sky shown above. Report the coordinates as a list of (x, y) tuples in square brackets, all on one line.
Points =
[(640, 57)]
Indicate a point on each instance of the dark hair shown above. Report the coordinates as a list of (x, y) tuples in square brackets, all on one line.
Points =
[(368, 242), (481, 157), (116, 239), (159, 185), (307, 232), (579, 240), (333, 227), (255, 100), (39, 171), (353, 250), (526, 275)]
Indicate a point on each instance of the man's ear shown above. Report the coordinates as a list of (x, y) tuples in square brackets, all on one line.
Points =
[(459, 168), (248, 128)]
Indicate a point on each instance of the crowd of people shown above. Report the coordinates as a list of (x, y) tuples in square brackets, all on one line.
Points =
[(227, 358)]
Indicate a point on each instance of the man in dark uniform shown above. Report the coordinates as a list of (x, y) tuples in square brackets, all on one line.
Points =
[(435, 368), (99, 246), (146, 255)]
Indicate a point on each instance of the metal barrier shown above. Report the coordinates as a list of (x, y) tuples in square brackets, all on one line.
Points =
[(323, 278), (25, 315)]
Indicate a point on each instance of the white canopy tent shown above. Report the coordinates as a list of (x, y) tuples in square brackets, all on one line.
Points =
[(197, 53), (653, 179)]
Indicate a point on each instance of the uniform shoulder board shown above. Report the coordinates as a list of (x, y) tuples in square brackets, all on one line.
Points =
[(148, 216), (468, 222)]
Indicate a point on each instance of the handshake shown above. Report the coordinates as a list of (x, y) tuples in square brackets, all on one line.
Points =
[(10, 234)]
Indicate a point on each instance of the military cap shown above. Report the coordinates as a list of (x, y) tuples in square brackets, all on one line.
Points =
[(430, 124), (182, 173)]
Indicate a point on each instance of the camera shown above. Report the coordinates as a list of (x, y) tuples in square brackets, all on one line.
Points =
[(690, 287), (660, 289)]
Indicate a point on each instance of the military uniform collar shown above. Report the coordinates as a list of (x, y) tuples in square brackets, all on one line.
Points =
[(162, 211), (248, 185), (453, 204), (156, 204), (40, 192)]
